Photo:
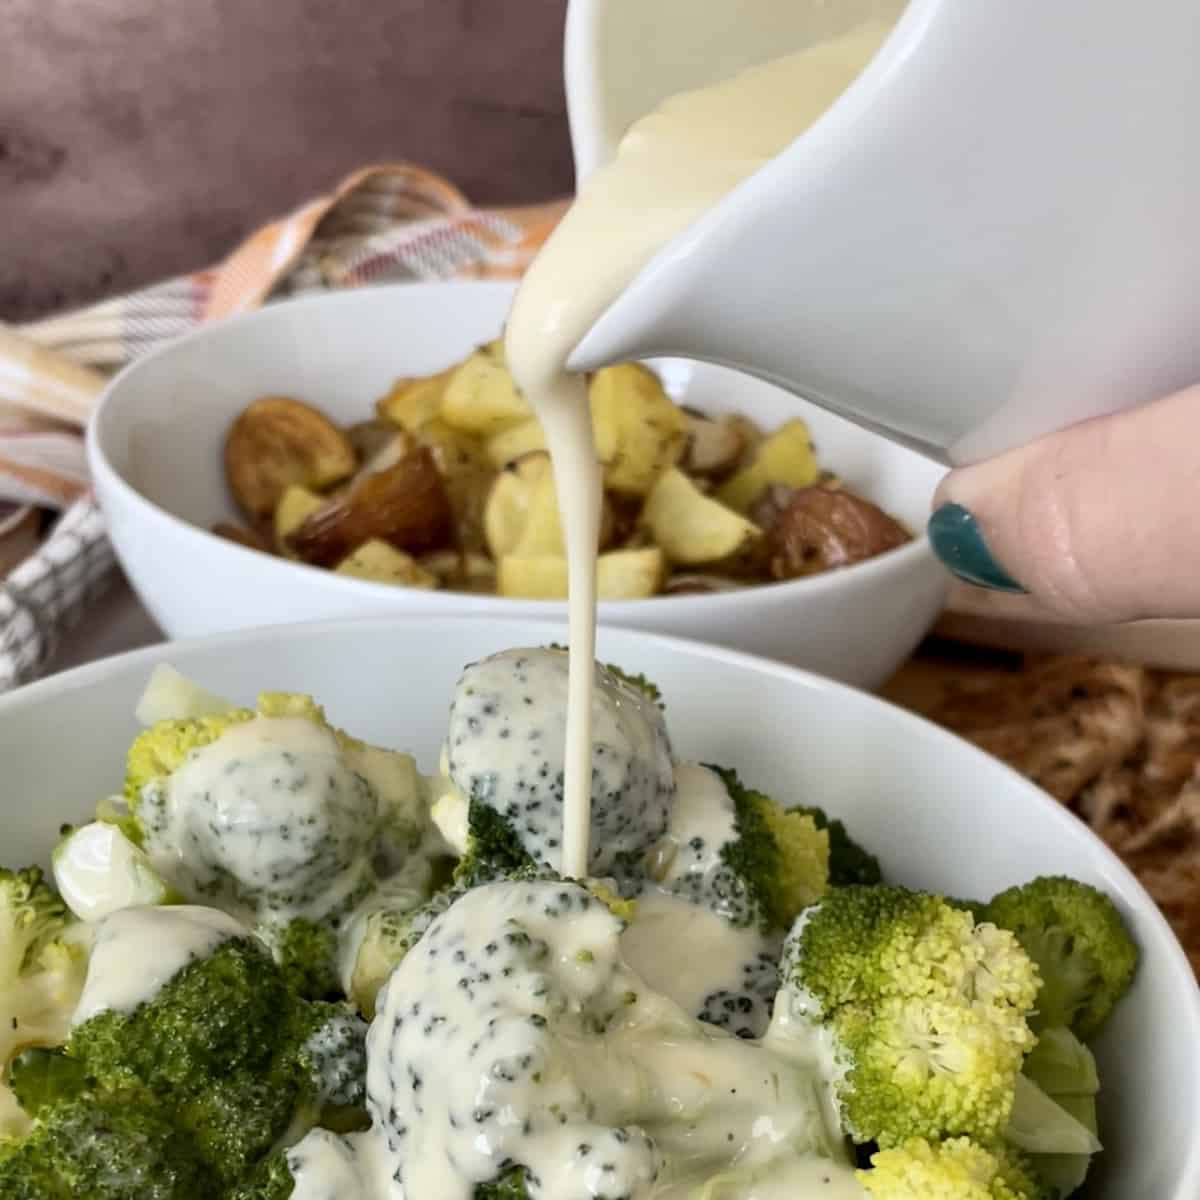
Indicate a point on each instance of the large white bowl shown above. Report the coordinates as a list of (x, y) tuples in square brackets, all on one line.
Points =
[(939, 813), (155, 453)]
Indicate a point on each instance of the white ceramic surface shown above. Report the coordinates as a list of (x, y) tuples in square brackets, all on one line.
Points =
[(990, 236), (155, 452), (938, 812)]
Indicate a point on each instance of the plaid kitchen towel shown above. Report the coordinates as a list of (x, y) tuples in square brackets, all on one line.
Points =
[(383, 224)]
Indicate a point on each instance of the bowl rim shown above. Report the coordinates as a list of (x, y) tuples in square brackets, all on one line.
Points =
[(91, 675), (873, 572)]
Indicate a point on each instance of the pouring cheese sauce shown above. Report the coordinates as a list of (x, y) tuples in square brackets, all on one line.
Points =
[(670, 168)]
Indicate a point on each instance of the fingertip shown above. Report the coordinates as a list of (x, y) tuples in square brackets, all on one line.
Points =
[(959, 542)]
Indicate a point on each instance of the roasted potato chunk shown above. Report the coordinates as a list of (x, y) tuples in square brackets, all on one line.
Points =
[(508, 503), (639, 431), (620, 575), (713, 447), (405, 506), (277, 441), (413, 403), (481, 396), (787, 457), (467, 474), (822, 528), (294, 507), (383, 563), (693, 528), (511, 444)]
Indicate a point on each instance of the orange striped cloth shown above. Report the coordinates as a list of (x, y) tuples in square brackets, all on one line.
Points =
[(383, 224)]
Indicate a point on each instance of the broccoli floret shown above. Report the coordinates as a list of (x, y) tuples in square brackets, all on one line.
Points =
[(780, 855), (518, 1002), (849, 862), (504, 750), (509, 1186), (109, 1147), (1054, 1116), (271, 1180), (493, 850), (43, 963), (1079, 941), (957, 1169), (307, 955), (927, 1011), (234, 1057), (638, 682), (384, 936)]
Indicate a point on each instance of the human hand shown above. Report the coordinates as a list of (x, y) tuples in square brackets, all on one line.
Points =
[(1098, 523)]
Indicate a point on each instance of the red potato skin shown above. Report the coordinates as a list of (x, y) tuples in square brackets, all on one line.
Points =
[(406, 505)]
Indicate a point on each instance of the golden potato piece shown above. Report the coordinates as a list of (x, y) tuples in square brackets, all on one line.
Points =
[(277, 441), (822, 528), (630, 574), (294, 507), (413, 403), (481, 396), (713, 447), (542, 532), (639, 431), (787, 456), (507, 507), (382, 563), (620, 575), (691, 527), (543, 577), (406, 506), (511, 444)]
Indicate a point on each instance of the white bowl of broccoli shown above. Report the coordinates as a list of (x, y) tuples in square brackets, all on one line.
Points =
[(296, 949)]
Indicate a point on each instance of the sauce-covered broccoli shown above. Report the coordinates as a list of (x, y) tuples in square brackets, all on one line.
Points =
[(734, 1006)]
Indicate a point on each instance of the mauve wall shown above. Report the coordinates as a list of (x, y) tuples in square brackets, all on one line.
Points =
[(139, 138)]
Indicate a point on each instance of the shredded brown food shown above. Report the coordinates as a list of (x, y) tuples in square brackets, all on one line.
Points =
[(1119, 745)]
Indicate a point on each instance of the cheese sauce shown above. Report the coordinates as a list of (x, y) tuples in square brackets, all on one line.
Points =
[(139, 950), (670, 168)]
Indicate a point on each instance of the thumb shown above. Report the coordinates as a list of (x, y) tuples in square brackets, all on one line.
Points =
[(1098, 523)]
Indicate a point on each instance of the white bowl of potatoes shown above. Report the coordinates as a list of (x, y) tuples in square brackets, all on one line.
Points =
[(364, 452)]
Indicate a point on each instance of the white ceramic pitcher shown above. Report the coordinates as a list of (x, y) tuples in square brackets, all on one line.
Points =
[(993, 234)]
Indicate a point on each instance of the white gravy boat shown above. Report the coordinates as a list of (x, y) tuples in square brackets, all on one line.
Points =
[(993, 234)]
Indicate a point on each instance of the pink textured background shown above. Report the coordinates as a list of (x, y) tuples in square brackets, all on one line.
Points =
[(139, 138)]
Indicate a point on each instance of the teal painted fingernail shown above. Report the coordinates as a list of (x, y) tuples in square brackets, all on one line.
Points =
[(958, 541)]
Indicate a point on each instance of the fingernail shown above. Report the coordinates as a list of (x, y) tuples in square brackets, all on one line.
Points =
[(958, 541)]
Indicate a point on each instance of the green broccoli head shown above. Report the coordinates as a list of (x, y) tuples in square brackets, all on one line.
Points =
[(272, 1179), (104, 1147), (509, 1186), (956, 1169), (780, 855), (638, 682), (849, 862), (1081, 945), (43, 963), (927, 1011), (306, 953), (493, 850), (272, 814), (225, 1048)]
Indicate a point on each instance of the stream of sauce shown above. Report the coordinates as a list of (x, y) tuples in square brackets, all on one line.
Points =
[(670, 168)]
